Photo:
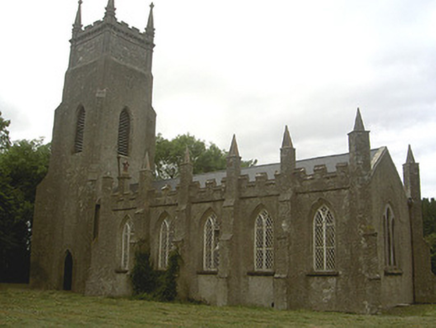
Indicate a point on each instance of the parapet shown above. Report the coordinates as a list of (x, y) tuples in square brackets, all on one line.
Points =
[(122, 27)]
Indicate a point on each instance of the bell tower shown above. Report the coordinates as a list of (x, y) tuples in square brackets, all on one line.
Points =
[(105, 122), (106, 110)]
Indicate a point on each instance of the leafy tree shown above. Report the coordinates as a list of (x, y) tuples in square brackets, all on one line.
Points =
[(429, 215), (170, 154), (7, 205), (429, 225), (22, 167), (4, 134)]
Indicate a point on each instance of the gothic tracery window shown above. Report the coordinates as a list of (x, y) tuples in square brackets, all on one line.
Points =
[(80, 128), (324, 240), (264, 242), (125, 245), (124, 133), (389, 236), (165, 243), (210, 244)]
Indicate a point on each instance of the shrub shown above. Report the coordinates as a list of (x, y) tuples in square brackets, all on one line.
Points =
[(150, 284), (167, 290), (144, 278)]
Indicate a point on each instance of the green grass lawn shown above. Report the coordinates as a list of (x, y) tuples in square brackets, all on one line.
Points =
[(21, 307)]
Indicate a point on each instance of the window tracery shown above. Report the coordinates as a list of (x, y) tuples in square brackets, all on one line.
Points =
[(165, 243), (324, 240), (264, 242), (210, 241)]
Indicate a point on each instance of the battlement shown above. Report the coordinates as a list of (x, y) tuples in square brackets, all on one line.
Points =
[(310, 175), (321, 178), (120, 27), (113, 38)]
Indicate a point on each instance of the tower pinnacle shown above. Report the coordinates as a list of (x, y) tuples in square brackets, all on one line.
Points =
[(77, 26), (146, 165), (358, 125), (234, 152), (410, 158), (150, 24), (187, 158), (110, 10), (287, 141)]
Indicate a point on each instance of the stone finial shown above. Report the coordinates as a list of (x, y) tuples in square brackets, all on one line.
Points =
[(287, 141), (234, 152), (410, 158), (77, 26), (150, 24), (146, 165), (110, 10), (187, 159), (358, 124)]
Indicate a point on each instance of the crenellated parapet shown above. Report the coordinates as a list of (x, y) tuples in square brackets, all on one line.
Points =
[(113, 38), (262, 186), (127, 31), (322, 179), (250, 185)]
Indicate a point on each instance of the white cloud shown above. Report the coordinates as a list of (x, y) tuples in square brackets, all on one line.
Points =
[(250, 68)]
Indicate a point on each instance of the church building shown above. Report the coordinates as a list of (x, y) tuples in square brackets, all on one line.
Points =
[(336, 233)]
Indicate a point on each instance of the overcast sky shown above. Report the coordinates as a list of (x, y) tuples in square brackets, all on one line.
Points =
[(250, 67)]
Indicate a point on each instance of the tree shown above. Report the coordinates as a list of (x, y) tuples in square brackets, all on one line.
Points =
[(4, 134), (22, 167), (170, 154), (429, 226)]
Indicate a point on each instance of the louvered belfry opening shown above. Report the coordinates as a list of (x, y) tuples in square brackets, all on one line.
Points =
[(80, 127), (124, 133)]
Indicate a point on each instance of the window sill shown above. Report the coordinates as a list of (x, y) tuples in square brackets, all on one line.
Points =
[(323, 274), (204, 272), (261, 273), (393, 271)]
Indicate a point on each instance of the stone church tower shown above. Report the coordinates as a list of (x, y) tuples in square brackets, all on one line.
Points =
[(104, 124)]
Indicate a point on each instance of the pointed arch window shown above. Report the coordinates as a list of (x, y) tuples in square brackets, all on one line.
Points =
[(165, 243), (324, 240), (124, 133), (80, 128), (264, 242), (389, 236), (210, 244), (125, 245)]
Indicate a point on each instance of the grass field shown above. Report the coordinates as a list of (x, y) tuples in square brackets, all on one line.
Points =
[(21, 307)]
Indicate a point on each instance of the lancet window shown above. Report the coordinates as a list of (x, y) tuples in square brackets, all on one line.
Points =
[(324, 240), (389, 236), (264, 242), (125, 245), (165, 243), (210, 244)]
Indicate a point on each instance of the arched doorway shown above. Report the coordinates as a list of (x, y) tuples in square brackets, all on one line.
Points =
[(68, 271)]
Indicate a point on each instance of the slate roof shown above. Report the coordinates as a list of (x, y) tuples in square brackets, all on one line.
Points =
[(270, 169)]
